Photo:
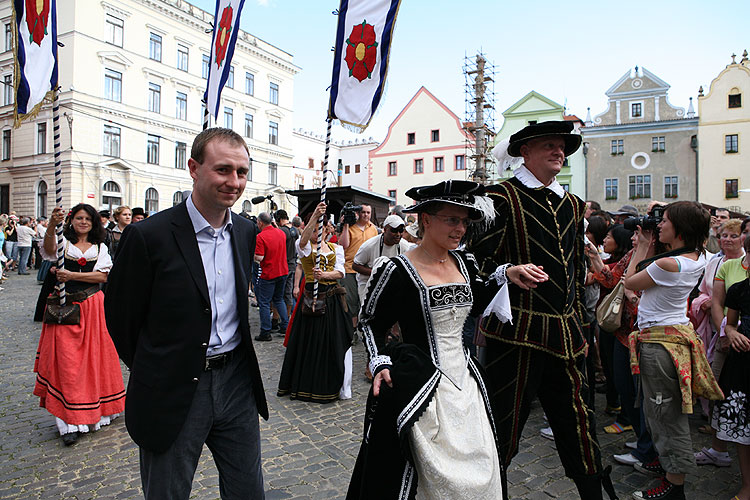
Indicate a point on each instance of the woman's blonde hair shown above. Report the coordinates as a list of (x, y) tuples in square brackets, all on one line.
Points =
[(119, 210), (732, 225)]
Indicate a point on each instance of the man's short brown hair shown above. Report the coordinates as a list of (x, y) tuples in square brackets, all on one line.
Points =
[(216, 133)]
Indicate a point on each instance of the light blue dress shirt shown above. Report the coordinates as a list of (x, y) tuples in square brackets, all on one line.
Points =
[(215, 245)]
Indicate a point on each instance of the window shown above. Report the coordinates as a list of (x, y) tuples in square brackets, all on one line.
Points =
[(247, 206), (182, 57), (41, 138), (113, 85), (639, 186), (112, 141), (7, 90), (658, 144), (154, 47), (41, 199), (392, 193), (460, 162), (735, 100), (6, 144), (204, 66), (152, 149), (439, 164), (731, 143), (418, 166), (230, 77), (310, 163), (273, 98), (435, 136), (392, 170), (249, 83), (228, 118), (114, 30), (176, 198), (181, 106), (670, 186), (248, 125), (411, 138), (180, 156), (532, 122), (111, 195), (356, 168), (273, 133), (273, 173), (617, 147), (636, 110), (566, 187), (8, 37), (250, 170), (347, 168), (154, 98), (152, 201), (731, 189), (610, 189)]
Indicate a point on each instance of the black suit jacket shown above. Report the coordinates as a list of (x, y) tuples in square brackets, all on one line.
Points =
[(159, 316)]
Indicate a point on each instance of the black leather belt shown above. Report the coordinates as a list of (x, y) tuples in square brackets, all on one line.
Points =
[(218, 361)]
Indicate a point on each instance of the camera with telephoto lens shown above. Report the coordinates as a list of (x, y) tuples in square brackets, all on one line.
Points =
[(648, 222), (349, 213)]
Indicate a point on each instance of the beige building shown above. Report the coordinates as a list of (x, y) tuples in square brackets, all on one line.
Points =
[(425, 144), (724, 138), (132, 74), (641, 148)]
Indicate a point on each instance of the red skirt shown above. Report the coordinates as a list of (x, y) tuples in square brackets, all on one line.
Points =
[(78, 372)]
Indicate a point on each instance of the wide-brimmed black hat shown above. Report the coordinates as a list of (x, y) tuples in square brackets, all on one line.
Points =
[(560, 129), (138, 211), (461, 193)]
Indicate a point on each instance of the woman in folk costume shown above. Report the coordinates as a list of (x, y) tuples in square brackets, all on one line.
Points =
[(429, 430), (318, 361), (79, 380)]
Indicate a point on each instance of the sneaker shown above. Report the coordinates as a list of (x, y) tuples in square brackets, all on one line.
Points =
[(709, 456), (631, 445), (665, 491), (626, 459), (264, 337), (652, 468), (547, 433)]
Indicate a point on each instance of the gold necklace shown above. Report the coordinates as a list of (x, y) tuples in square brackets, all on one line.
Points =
[(441, 261)]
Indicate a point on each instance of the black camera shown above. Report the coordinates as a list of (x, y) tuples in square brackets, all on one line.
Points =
[(645, 222), (348, 213)]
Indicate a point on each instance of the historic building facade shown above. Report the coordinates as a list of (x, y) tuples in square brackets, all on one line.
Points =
[(641, 148), (724, 138), (132, 78), (536, 108), (425, 144)]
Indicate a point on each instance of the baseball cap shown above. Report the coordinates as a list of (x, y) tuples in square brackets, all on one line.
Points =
[(394, 221)]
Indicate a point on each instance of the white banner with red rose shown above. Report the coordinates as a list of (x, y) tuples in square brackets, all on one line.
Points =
[(226, 28), (363, 41)]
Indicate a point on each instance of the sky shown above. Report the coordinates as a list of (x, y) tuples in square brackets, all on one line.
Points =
[(570, 52)]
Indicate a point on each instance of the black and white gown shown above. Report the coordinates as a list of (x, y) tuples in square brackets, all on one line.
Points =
[(434, 428)]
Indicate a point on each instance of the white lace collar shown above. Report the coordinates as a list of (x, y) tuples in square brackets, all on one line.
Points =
[(529, 180)]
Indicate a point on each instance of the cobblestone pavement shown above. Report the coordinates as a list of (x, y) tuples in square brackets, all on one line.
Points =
[(308, 449)]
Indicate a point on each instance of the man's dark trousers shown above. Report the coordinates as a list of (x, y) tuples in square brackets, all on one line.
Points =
[(271, 292)]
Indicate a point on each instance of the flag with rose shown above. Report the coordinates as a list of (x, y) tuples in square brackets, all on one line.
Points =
[(226, 28), (35, 54), (363, 41)]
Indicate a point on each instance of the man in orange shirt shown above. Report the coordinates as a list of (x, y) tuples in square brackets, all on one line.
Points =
[(351, 239)]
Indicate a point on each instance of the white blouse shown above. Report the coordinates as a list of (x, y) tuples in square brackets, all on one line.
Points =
[(103, 261)]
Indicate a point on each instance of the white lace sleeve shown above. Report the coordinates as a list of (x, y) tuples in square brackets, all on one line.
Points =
[(104, 262), (500, 303)]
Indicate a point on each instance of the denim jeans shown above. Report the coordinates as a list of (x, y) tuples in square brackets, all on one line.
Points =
[(269, 292), (626, 384), (23, 259)]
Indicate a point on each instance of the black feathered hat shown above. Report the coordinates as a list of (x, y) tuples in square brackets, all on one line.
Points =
[(561, 129), (461, 193)]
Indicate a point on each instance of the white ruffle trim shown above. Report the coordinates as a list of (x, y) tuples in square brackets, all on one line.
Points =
[(65, 428), (500, 303)]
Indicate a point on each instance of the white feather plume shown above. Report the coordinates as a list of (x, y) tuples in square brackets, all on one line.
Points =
[(504, 160), (485, 205)]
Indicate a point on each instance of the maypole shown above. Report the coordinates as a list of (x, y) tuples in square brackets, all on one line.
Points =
[(322, 199), (58, 191)]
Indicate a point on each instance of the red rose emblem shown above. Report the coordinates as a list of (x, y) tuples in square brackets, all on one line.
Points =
[(82, 261), (222, 35), (361, 51), (37, 14)]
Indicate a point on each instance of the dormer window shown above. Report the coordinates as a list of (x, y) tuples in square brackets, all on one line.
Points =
[(734, 99), (636, 110)]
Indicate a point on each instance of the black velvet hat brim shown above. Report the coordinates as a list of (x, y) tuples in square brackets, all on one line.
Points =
[(572, 143)]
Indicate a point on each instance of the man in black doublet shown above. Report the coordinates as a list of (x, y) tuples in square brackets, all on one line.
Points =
[(542, 353)]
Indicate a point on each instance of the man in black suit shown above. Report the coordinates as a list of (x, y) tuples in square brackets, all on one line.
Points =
[(177, 311)]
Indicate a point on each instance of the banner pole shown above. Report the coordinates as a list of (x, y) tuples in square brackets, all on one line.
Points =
[(322, 216), (58, 190)]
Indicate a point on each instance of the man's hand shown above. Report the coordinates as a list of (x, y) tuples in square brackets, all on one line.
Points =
[(526, 276)]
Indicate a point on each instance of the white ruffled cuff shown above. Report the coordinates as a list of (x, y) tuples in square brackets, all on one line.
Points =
[(378, 363), (500, 303), (499, 275)]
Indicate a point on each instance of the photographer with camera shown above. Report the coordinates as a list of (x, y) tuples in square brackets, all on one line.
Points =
[(357, 229), (666, 352)]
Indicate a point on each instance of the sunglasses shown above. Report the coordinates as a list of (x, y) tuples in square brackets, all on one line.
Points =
[(399, 229), (451, 221)]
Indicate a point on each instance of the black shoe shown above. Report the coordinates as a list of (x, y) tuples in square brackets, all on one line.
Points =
[(274, 326), (652, 468), (70, 438), (665, 491), (264, 337)]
